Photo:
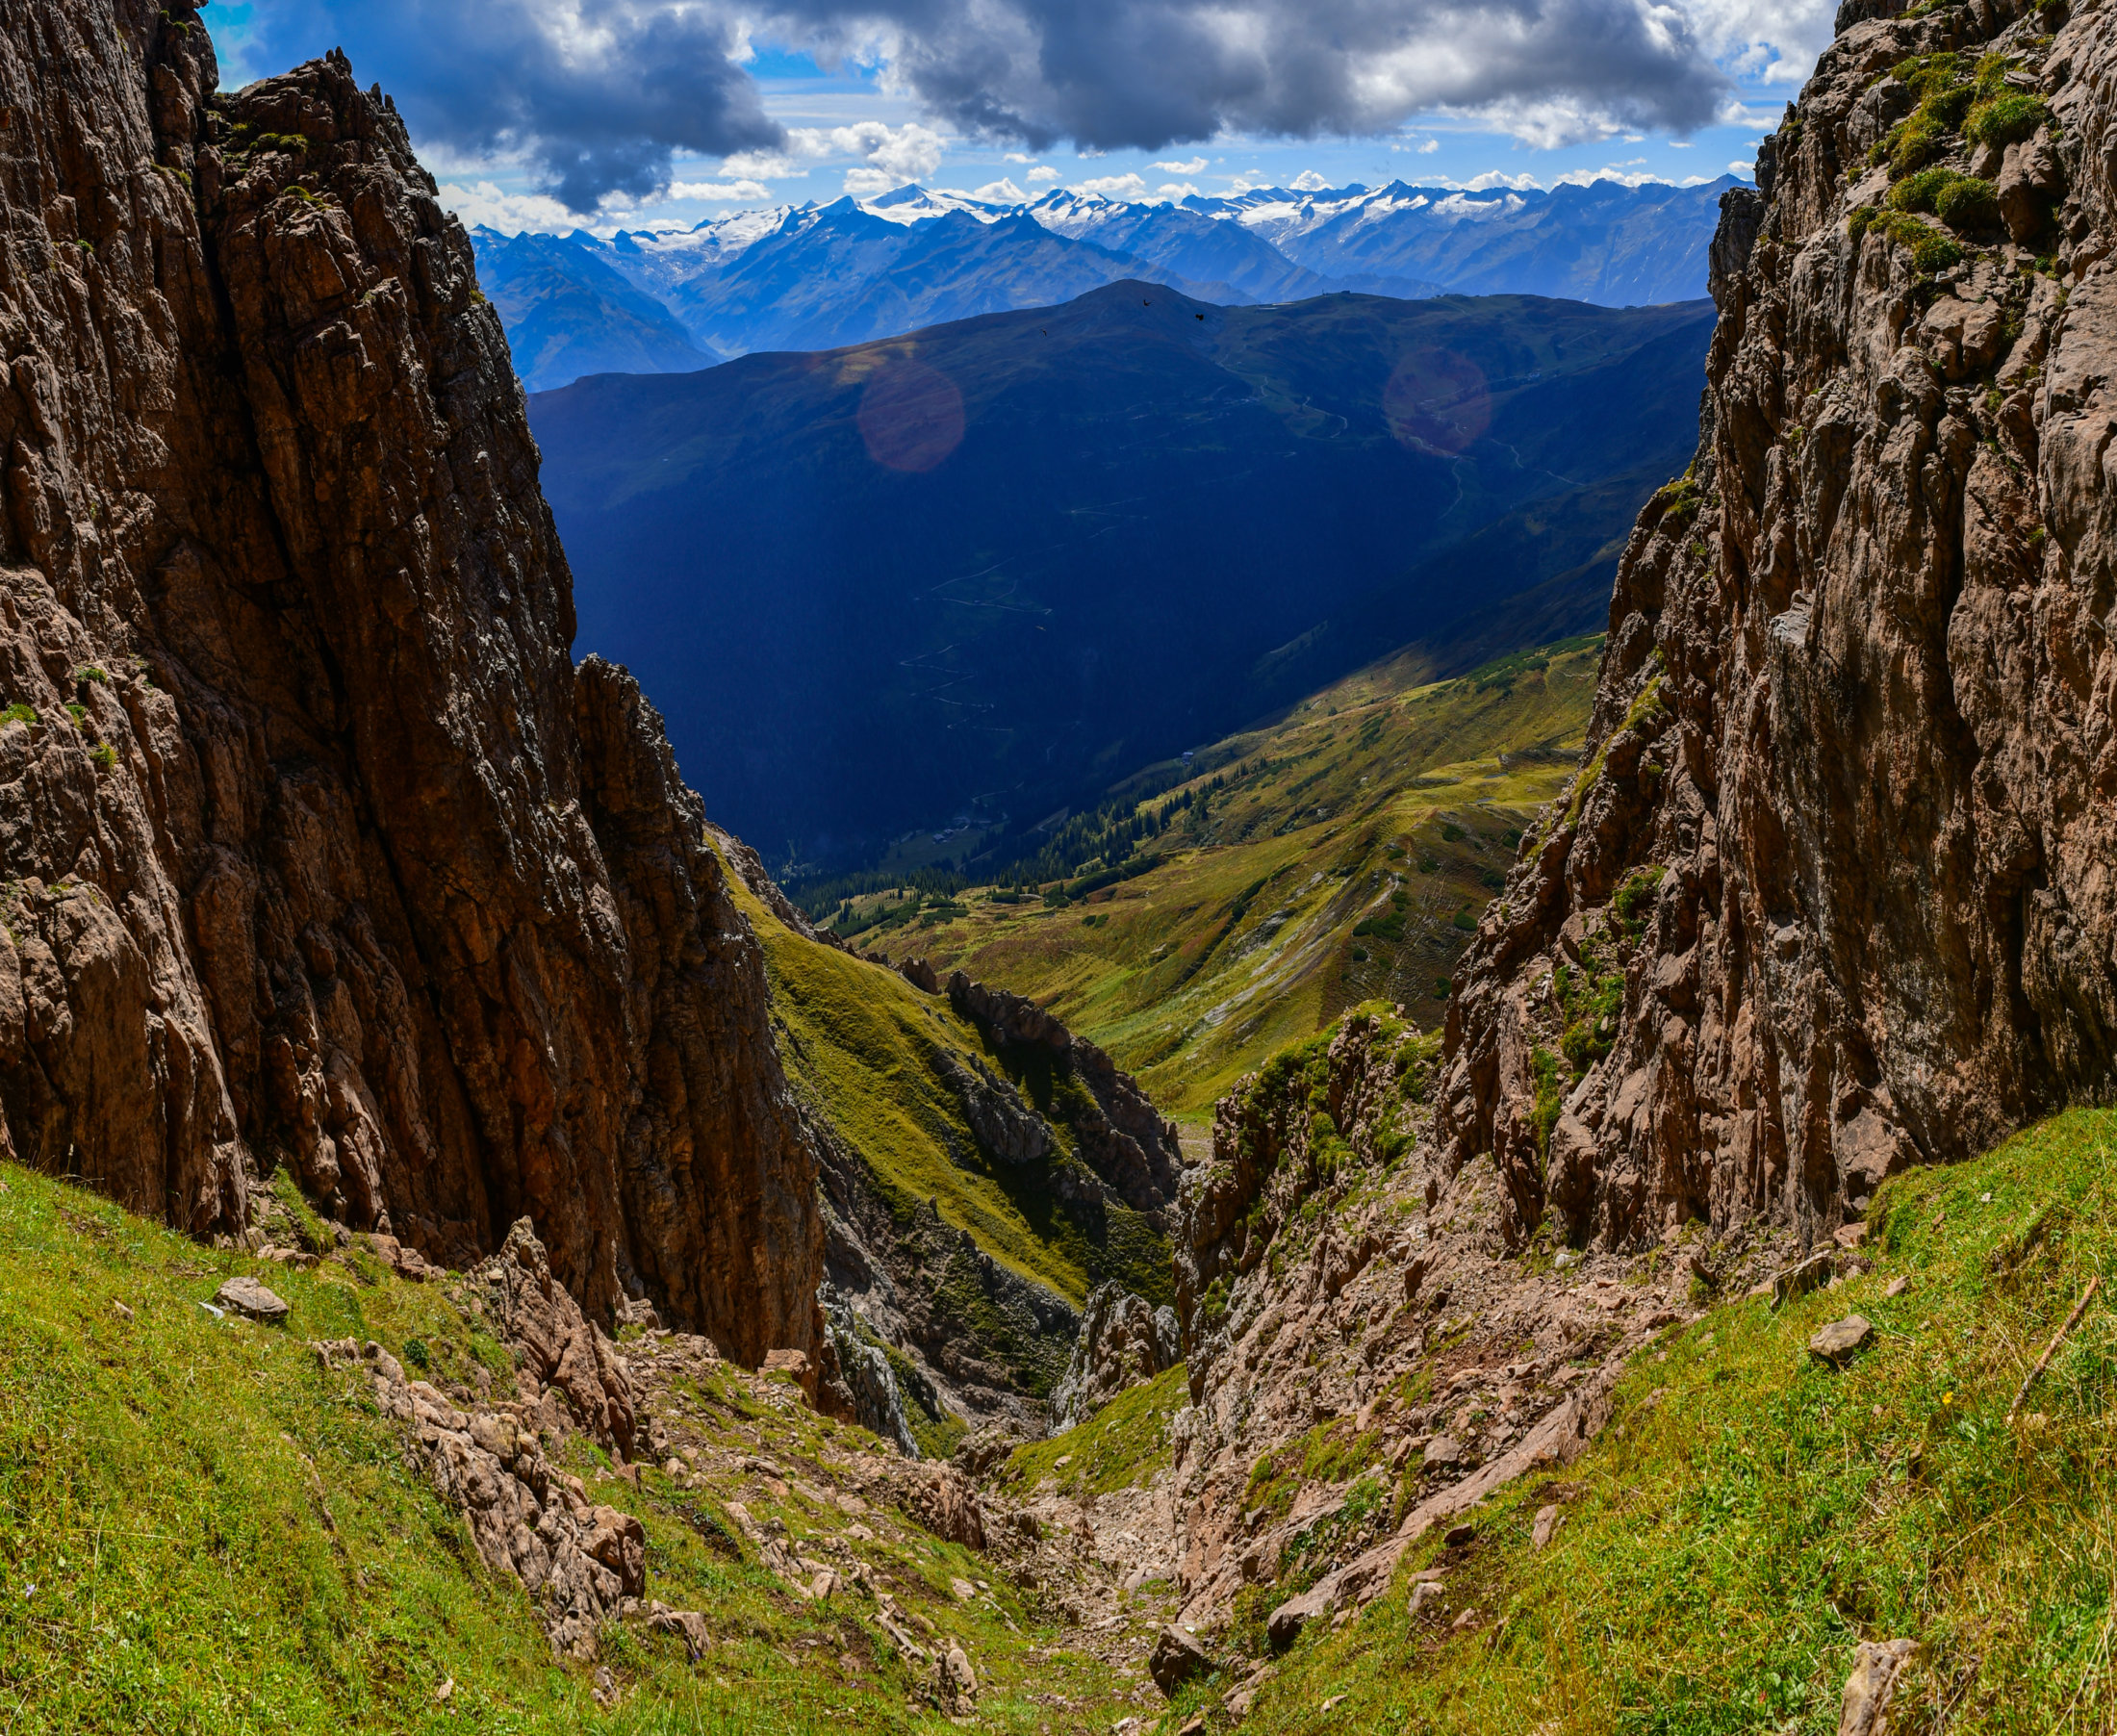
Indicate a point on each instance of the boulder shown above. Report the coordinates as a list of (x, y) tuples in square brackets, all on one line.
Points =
[(246, 1296), (687, 1622), (1836, 1342), (1812, 1273), (953, 1685), (1285, 1623), (1177, 1658)]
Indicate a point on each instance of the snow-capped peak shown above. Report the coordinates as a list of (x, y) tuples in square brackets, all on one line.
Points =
[(914, 204)]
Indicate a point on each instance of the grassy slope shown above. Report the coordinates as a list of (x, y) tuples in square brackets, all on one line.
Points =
[(863, 1043), (1121, 1447), (170, 1560), (1750, 1514), (1243, 940)]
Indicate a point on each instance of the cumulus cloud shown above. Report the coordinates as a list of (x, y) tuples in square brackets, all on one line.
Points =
[(1113, 186), (1196, 165), (1493, 179), (1043, 175), (719, 190), (1307, 181), (595, 95), (1773, 42), (1429, 147), (482, 203), (896, 155)]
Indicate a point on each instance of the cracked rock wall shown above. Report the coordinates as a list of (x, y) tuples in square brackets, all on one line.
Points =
[(1858, 708), (315, 848)]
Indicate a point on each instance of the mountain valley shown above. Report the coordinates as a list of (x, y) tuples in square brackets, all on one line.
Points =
[(989, 567), (1494, 1113), (1339, 857)]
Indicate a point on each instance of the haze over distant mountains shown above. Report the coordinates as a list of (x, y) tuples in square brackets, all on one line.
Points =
[(822, 276), (990, 567)]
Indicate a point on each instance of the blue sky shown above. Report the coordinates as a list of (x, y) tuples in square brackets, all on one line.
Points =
[(608, 113)]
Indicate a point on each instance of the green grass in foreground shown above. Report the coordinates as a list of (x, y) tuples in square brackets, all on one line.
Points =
[(200, 1531), (1344, 858), (1750, 1514)]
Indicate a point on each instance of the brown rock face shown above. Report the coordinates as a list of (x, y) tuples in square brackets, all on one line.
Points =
[(1859, 710), (318, 850)]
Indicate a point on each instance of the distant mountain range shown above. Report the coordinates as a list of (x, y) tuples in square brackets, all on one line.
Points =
[(568, 314), (822, 276), (986, 568)]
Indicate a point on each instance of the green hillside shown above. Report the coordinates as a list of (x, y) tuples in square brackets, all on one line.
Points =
[(1751, 1512), (1340, 855), (202, 1532), (866, 1046)]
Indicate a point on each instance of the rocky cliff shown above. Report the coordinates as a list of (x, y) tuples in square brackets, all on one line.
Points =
[(319, 852), (1833, 892)]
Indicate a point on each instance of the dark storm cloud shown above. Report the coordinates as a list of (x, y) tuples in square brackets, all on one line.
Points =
[(599, 93), (1150, 73)]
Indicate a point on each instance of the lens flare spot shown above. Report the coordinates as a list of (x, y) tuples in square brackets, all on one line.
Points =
[(1436, 401), (912, 416)]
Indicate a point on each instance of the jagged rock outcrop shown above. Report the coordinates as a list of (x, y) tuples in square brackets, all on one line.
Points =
[(1367, 1356), (981, 1342), (1124, 1340), (1832, 894), (1121, 1136), (580, 1559), (980, 1345), (316, 851)]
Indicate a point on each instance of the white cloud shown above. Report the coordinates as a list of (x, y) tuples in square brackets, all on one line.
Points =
[(1309, 180), (1113, 186), (1018, 157), (1626, 174), (1767, 41), (1746, 170), (1429, 147), (1172, 191), (900, 154), (1043, 175), (719, 190), (1001, 191), (1196, 165), (482, 202), (1493, 178)]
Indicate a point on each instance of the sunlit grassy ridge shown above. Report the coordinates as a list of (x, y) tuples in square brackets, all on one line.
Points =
[(1752, 1514), (202, 1531), (1340, 855), (866, 1046)]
